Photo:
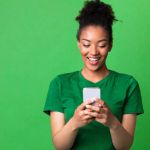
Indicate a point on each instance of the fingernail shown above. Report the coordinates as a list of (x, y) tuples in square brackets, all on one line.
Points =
[(95, 98), (92, 100), (87, 106), (100, 105)]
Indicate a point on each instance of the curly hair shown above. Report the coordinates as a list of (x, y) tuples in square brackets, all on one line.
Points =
[(98, 13)]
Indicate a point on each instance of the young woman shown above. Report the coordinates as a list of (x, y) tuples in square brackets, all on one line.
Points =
[(109, 124)]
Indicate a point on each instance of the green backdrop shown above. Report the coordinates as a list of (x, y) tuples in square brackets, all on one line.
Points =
[(37, 42)]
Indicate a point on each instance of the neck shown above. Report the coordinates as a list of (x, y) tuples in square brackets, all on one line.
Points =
[(95, 76)]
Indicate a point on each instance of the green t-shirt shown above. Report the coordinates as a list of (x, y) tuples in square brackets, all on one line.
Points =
[(120, 92)]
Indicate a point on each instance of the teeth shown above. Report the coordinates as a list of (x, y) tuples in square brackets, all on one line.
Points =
[(93, 59)]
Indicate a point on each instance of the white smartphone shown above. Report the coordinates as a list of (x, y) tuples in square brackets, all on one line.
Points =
[(91, 92)]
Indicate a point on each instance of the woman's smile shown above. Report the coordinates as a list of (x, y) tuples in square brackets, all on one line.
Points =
[(94, 46), (93, 60)]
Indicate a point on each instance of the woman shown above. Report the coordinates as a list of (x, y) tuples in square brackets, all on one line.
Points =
[(109, 124)]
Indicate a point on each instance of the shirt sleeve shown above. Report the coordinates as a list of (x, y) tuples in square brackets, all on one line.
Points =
[(53, 100), (133, 103)]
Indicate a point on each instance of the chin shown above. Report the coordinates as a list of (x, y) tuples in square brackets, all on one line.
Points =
[(94, 68)]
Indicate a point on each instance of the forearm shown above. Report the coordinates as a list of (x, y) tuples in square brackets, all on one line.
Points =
[(64, 139), (121, 139)]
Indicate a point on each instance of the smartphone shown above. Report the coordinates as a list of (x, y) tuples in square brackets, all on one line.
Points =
[(91, 92)]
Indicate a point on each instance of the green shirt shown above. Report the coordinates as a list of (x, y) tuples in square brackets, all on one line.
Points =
[(120, 92)]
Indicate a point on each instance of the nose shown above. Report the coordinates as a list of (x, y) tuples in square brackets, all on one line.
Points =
[(93, 50)]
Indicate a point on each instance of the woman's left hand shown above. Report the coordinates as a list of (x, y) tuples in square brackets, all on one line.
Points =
[(103, 114)]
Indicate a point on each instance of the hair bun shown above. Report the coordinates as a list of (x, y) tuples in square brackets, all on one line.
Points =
[(96, 12)]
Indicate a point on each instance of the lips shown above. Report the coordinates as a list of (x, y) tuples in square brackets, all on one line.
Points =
[(93, 60)]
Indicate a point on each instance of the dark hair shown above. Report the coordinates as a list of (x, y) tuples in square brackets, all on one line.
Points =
[(98, 13)]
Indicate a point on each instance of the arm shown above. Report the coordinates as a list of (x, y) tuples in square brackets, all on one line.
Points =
[(64, 135), (121, 133)]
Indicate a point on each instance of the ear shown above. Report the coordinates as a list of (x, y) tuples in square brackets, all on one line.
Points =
[(78, 44)]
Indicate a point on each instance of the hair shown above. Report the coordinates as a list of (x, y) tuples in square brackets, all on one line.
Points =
[(96, 13)]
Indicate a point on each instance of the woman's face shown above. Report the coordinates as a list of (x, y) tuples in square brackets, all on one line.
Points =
[(94, 46)]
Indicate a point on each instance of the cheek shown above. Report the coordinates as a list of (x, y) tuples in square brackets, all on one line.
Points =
[(104, 52), (83, 52)]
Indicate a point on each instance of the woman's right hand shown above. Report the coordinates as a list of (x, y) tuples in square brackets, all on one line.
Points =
[(81, 115)]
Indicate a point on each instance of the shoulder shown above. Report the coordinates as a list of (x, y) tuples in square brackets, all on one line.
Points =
[(66, 76), (124, 78)]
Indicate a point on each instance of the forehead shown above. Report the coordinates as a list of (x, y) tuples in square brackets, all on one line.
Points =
[(94, 33)]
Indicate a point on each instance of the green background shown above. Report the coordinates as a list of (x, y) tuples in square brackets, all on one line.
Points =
[(38, 41)]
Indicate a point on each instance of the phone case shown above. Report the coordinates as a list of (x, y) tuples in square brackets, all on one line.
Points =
[(91, 92)]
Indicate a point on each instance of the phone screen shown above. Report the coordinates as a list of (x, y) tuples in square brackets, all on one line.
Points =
[(91, 92)]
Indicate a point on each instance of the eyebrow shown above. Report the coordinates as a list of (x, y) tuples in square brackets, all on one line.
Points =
[(97, 41)]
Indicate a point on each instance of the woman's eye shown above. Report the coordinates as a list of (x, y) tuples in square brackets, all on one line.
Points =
[(86, 45), (102, 46)]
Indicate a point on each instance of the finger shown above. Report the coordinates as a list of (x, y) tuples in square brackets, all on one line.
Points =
[(81, 107), (100, 103), (100, 116), (94, 114), (81, 113), (97, 109), (84, 112), (87, 102), (102, 110), (97, 115), (88, 109), (90, 120), (100, 119), (87, 117), (93, 108), (90, 101)]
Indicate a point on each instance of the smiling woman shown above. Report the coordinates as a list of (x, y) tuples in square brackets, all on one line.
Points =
[(102, 123), (94, 46)]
